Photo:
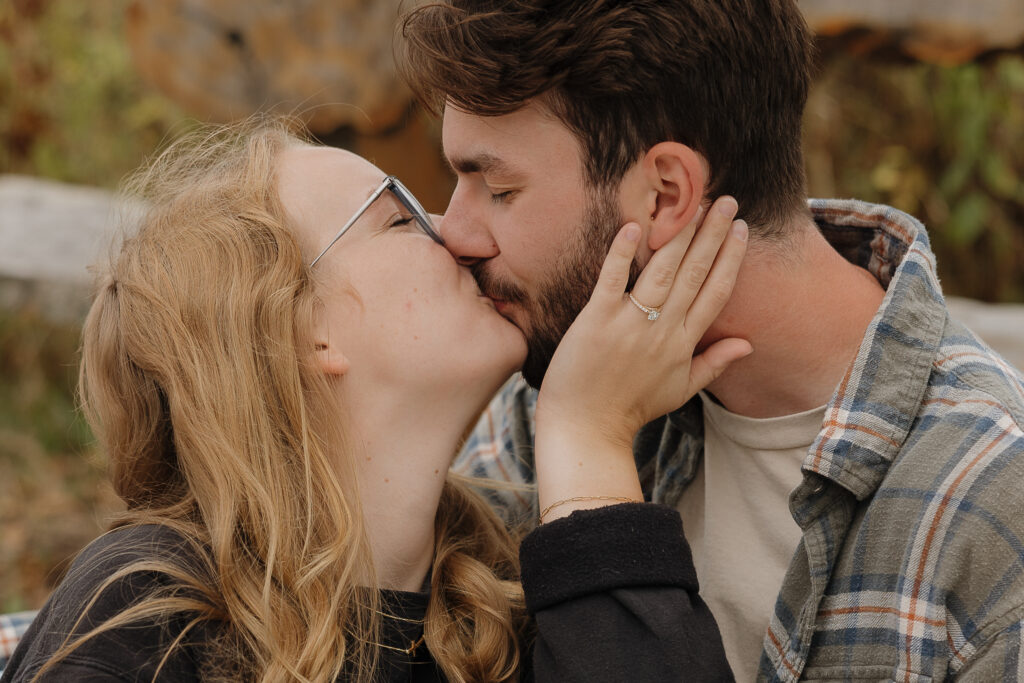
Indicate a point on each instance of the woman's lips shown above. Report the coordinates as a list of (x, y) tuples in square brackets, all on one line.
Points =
[(501, 306)]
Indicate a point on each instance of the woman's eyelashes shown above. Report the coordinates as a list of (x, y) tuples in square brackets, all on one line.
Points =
[(399, 221)]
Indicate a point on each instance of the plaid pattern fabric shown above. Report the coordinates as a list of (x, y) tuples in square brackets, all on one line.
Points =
[(12, 628), (911, 565), (500, 449)]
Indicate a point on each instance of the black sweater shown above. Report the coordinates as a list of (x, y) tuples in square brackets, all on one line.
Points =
[(613, 592)]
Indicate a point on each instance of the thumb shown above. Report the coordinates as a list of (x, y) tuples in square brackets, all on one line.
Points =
[(707, 366)]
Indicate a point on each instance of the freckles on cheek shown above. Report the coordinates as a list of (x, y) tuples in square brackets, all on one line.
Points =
[(410, 306)]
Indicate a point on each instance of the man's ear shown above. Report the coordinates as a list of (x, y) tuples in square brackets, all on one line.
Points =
[(677, 176), (330, 359)]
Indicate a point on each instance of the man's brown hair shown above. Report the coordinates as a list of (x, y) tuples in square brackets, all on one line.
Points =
[(727, 78)]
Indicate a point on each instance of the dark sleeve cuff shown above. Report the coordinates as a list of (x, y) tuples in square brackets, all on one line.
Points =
[(593, 551)]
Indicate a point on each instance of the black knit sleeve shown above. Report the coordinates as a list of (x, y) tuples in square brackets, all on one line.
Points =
[(614, 594)]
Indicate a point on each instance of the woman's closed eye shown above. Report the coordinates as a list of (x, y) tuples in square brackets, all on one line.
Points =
[(400, 221)]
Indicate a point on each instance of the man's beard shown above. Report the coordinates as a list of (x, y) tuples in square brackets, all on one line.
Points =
[(567, 290)]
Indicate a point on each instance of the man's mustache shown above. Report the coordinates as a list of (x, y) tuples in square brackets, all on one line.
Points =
[(494, 287)]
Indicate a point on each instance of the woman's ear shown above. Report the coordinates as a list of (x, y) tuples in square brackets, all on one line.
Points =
[(677, 176), (331, 360)]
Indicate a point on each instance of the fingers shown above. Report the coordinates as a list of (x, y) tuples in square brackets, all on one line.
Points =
[(712, 362), (700, 258), (655, 282), (718, 286), (611, 282)]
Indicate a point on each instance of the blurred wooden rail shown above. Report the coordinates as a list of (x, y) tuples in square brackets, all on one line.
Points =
[(51, 232), (330, 61)]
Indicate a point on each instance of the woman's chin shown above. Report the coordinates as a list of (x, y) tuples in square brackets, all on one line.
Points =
[(502, 372)]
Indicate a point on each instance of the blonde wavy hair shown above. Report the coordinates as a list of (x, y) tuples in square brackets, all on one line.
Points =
[(197, 377)]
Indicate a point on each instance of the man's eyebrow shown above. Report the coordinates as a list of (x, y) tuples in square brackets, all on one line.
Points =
[(480, 163)]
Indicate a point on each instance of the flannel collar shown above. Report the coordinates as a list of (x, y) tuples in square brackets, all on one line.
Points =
[(875, 404)]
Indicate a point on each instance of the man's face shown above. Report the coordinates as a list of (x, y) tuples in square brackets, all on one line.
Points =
[(524, 217)]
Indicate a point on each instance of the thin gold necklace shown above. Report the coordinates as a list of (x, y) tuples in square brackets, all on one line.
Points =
[(411, 650)]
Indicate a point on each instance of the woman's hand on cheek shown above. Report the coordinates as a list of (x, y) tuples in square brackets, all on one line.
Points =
[(616, 367)]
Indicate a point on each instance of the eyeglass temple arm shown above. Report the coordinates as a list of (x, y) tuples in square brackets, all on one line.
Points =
[(362, 209)]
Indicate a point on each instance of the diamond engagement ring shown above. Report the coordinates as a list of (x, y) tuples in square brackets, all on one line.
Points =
[(652, 311)]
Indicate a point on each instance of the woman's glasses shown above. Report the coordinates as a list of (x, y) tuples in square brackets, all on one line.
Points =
[(406, 199)]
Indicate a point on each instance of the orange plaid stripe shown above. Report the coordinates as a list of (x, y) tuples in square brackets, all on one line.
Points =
[(12, 628)]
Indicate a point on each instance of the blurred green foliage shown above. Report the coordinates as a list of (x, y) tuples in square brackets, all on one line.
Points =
[(53, 488), (945, 144), (40, 366), (71, 106)]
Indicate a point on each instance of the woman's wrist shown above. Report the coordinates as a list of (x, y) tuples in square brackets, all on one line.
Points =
[(581, 470), (589, 428)]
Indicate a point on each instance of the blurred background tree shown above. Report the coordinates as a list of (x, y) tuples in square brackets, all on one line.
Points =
[(939, 138)]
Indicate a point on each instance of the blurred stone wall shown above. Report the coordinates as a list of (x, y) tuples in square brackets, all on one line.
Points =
[(330, 62)]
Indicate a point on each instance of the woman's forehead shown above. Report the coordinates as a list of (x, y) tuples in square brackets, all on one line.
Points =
[(328, 168), (320, 185)]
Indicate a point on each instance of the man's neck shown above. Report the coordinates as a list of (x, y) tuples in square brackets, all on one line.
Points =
[(805, 309)]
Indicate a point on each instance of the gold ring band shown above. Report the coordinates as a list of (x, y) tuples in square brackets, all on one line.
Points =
[(653, 312)]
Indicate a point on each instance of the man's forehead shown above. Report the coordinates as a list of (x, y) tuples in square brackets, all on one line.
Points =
[(507, 144), (473, 138)]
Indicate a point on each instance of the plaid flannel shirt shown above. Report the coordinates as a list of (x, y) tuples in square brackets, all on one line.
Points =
[(911, 563), (12, 628)]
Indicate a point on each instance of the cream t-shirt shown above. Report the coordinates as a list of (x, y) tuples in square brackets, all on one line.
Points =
[(737, 520)]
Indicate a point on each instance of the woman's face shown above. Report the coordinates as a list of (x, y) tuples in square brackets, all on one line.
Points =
[(398, 311)]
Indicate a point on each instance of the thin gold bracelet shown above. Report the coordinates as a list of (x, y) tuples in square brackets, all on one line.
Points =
[(577, 499)]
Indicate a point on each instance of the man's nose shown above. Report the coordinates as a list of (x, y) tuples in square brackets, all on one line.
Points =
[(466, 234)]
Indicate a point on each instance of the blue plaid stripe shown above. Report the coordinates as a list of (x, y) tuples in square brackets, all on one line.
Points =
[(12, 628), (499, 449), (911, 565)]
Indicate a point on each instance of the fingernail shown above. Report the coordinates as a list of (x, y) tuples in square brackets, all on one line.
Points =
[(633, 233), (727, 206), (740, 230)]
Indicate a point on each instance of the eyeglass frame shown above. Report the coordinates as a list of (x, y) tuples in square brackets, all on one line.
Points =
[(404, 197)]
